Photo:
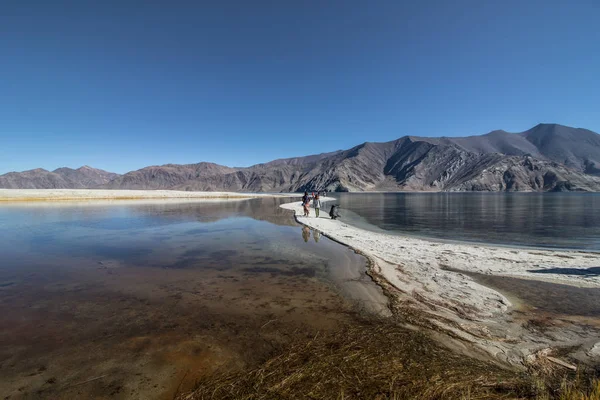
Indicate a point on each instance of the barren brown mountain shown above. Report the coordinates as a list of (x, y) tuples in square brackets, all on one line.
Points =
[(548, 157), (61, 178)]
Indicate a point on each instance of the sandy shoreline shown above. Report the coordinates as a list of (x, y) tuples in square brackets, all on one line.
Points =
[(425, 275), (22, 195)]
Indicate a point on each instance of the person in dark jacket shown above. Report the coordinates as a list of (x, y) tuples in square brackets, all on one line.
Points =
[(306, 203), (333, 213)]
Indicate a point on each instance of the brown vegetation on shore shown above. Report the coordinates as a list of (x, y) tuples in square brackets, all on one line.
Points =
[(380, 360)]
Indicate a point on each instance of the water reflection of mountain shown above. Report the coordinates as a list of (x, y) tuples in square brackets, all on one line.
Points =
[(128, 215), (560, 220), (262, 209)]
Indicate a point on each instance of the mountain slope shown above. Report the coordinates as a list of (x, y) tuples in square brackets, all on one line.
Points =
[(61, 178), (34, 179), (547, 157), (166, 176), (574, 147), (497, 142), (85, 176), (412, 163), (421, 165)]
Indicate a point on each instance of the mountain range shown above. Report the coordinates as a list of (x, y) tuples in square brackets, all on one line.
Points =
[(547, 157), (61, 178)]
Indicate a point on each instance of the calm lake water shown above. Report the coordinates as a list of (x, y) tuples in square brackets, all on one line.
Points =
[(562, 220), (137, 300)]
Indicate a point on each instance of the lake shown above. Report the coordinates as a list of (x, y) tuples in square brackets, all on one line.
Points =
[(140, 299), (554, 220)]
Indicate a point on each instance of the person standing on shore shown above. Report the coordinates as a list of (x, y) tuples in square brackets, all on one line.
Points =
[(317, 205), (305, 203)]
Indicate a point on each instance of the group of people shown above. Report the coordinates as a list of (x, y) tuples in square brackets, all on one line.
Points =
[(306, 199), (316, 202)]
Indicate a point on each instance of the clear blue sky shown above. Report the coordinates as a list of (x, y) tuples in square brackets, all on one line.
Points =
[(120, 85)]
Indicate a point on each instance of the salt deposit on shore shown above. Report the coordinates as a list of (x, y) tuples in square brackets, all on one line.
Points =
[(425, 275), (411, 264), (100, 194)]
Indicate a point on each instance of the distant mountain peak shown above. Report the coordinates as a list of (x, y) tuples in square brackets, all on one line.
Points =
[(547, 157), (549, 125), (497, 132)]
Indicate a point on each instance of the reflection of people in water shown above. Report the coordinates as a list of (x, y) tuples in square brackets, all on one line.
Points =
[(316, 236), (306, 233)]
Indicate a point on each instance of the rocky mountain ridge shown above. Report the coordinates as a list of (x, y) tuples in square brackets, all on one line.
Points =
[(61, 178), (548, 157)]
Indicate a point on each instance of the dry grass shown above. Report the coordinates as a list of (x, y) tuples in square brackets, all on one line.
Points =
[(375, 360), (577, 388), (368, 361), (574, 391)]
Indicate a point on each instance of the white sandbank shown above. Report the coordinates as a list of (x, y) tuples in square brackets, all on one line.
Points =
[(13, 195), (416, 270), (411, 264)]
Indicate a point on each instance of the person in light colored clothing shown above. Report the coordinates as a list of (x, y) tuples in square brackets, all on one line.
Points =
[(317, 205)]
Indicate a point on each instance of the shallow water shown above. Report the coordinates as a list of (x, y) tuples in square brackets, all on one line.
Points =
[(544, 297), (555, 220), (145, 298)]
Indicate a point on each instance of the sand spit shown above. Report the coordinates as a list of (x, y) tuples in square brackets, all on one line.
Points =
[(17, 195), (424, 276)]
